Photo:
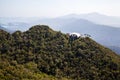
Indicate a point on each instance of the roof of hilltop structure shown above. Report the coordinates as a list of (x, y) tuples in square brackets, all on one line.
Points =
[(77, 34)]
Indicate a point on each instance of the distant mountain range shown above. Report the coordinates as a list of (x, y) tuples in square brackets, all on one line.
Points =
[(5, 29), (97, 18), (99, 26), (2, 28)]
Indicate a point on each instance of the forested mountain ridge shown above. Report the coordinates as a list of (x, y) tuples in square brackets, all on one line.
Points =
[(40, 50), (94, 24)]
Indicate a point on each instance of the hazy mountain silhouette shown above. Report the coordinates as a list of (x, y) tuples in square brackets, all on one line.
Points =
[(5, 29), (97, 18)]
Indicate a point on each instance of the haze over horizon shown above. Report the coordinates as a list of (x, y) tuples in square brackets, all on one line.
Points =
[(55, 8)]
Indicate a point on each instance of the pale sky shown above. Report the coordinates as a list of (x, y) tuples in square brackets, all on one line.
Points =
[(54, 8)]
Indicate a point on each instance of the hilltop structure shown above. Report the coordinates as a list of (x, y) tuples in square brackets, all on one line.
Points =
[(74, 35)]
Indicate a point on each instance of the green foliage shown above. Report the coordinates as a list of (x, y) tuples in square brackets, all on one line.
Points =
[(41, 53), (14, 71)]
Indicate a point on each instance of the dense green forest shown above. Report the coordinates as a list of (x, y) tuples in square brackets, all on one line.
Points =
[(44, 54)]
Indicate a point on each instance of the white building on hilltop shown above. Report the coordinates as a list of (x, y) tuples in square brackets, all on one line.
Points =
[(75, 34), (79, 35)]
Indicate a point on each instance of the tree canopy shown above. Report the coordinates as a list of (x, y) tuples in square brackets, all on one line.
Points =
[(42, 53)]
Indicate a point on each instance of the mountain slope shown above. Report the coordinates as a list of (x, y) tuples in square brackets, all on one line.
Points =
[(56, 54), (13, 71)]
